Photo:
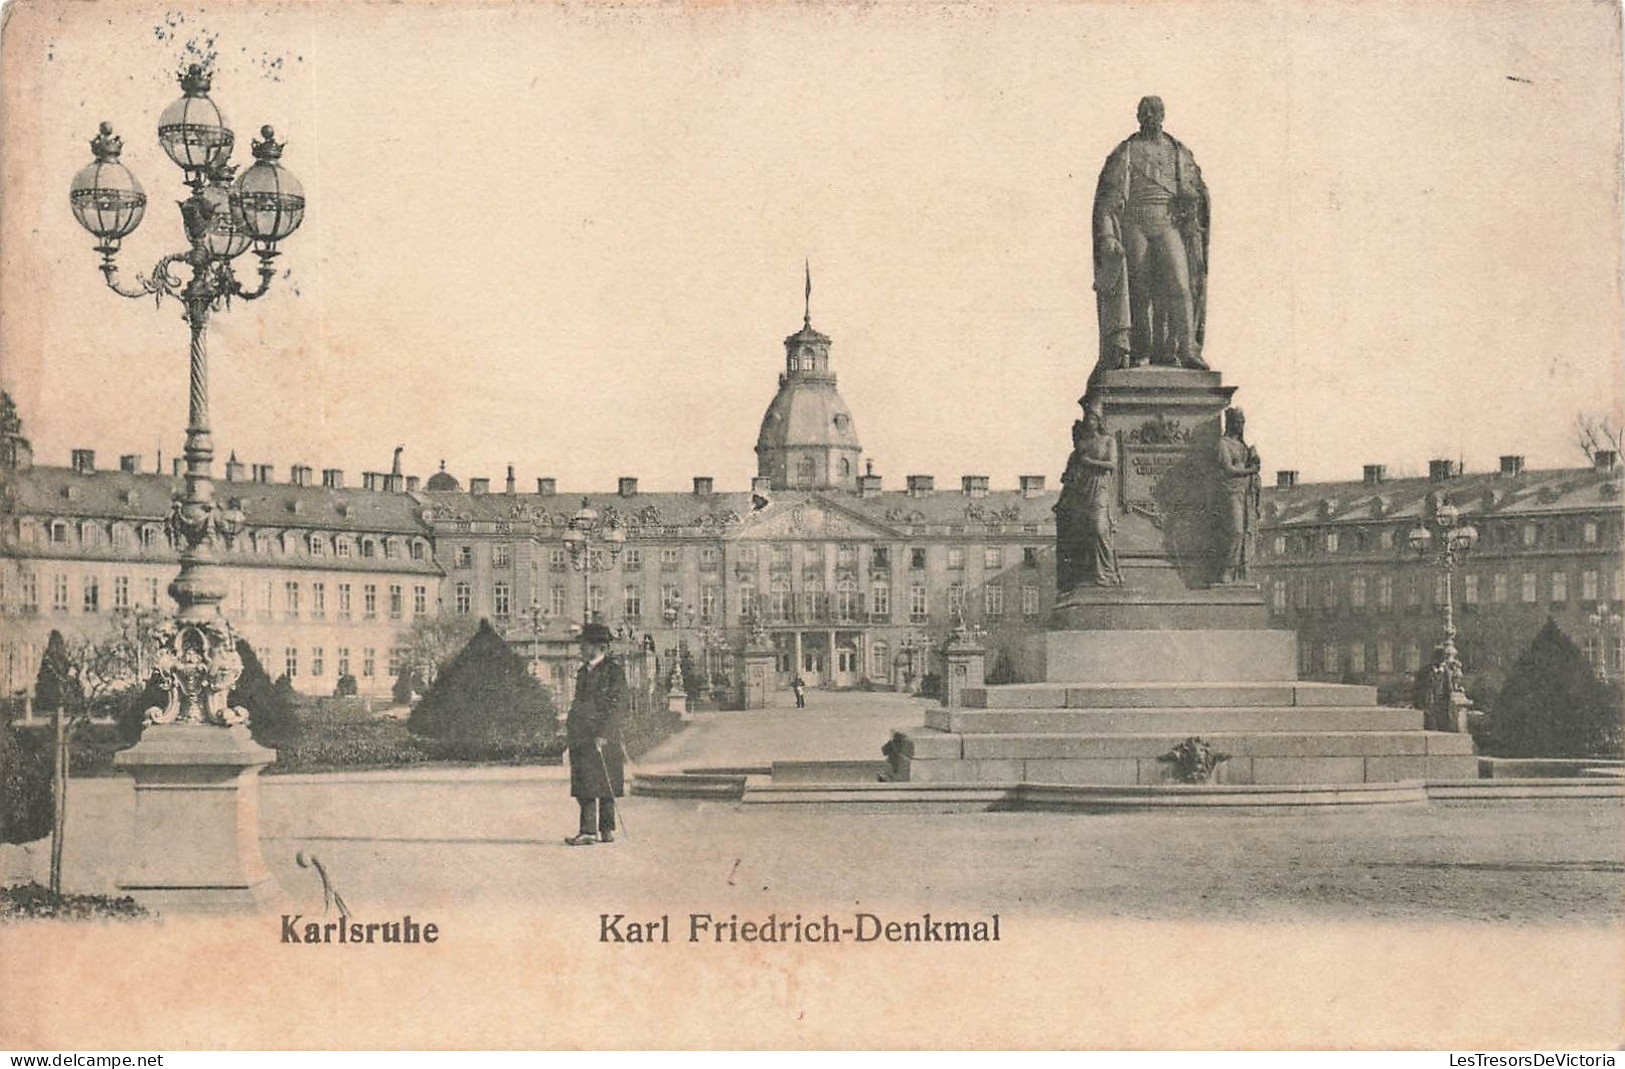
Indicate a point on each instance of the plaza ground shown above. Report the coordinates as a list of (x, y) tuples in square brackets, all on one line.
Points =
[(493, 836)]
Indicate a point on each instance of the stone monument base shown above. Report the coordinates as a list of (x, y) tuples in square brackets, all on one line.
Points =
[(196, 846), (1113, 703)]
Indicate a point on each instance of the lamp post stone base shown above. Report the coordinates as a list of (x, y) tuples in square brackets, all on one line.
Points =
[(196, 847)]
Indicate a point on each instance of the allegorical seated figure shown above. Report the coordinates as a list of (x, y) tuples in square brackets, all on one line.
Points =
[(1238, 510), (1084, 525), (1151, 214)]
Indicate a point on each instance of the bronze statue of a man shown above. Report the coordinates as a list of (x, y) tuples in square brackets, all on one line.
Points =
[(1150, 248), (1084, 526), (1238, 512)]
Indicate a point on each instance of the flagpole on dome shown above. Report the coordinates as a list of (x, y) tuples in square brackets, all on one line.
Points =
[(806, 317)]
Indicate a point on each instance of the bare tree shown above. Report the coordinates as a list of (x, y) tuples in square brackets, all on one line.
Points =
[(1597, 434), (431, 641)]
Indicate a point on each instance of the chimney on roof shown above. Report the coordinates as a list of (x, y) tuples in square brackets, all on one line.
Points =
[(369, 480), (1031, 485), (510, 480), (920, 485), (299, 475), (974, 485), (84, 460), (411, 484), (479, 486), (333, 478), (1286, 479), (177, 466), (1605, 459), (628, 485), (1441, 470), (130, 462), (547, 486), (394, 482), (235, 470), (868, 482), (1375, 474), (1511, 467), (703, 485), (262, 473)]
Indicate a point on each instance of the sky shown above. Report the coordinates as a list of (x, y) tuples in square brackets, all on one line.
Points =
[(572, 237)]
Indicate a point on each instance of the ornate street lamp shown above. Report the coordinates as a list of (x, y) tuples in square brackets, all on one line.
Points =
[(539, 618), (197, 836), (1449, 538), (1604, 623), (594, 547), (197, 658)]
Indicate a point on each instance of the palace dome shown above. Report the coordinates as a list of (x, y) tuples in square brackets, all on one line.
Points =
[(442, 480)]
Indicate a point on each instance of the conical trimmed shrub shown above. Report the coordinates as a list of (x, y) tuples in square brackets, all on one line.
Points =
[(484, 702), (1553, 704)]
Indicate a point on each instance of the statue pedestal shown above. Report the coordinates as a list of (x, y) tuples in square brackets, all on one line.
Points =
[(677, 702), (1169, 489), (1127, 673), (966, 663), (758, 682), (196, 846)]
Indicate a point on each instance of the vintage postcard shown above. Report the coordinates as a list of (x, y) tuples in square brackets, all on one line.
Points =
[(819, 525)]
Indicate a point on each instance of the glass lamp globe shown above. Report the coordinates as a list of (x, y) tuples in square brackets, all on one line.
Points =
[(193, 130), (1447, 515), (1420, 538), (1466, 537), (105, 197), (226, 235), (273, 200)]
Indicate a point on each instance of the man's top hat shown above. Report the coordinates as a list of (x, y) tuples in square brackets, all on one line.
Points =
[(597, 634)]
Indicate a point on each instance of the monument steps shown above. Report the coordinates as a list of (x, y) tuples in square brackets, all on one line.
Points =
[(1165, 695), (1304, 768), (1192, 720), (1074, 746)]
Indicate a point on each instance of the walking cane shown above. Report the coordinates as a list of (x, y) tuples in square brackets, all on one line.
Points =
[(603, 766)]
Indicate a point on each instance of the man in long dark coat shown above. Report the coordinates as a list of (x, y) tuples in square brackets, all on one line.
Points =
[(593, 729)]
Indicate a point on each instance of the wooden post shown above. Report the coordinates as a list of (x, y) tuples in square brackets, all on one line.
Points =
[(59, 796)]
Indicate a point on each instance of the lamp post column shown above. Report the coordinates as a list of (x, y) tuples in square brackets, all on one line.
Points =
[(196, 842)]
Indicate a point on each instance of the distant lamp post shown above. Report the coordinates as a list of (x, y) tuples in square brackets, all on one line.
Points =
[(594, 547), (1605, 625), (914, 646), (1447, 538), (539, 618), (191, 778)]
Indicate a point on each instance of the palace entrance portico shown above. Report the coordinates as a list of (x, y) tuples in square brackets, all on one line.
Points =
[(825, 657)]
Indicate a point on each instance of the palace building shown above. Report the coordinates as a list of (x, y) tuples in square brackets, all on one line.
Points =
[(856, 584), (1337, 567)]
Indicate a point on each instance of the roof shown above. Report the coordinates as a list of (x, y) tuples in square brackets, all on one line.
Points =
[(807, 334), (54, 491), (1487, 494), (807, 411), (719, 514)]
